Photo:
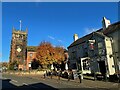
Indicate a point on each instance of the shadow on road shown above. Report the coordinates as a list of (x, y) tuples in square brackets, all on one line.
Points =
[(6, 85)]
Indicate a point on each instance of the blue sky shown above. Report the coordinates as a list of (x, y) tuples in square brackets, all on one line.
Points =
[(53, 22)]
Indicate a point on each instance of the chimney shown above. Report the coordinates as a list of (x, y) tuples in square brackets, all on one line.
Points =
[(75, 37), (105, 23)]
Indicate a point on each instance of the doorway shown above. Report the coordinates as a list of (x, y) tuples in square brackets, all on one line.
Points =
[(102, 67)]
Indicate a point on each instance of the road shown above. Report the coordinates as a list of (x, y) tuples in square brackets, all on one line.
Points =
[(29, 82)]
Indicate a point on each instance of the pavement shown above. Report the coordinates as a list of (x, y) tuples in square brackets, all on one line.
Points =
[(85, 83), (38, 81)]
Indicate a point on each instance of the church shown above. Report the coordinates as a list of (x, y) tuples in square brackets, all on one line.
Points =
[(19, 51), (24, 55)]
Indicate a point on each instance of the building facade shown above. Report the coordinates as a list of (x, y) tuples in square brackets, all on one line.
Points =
[(95, 51), (113, 32), (31, 55)]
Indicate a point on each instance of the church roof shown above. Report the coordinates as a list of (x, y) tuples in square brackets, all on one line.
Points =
[(31, 48)]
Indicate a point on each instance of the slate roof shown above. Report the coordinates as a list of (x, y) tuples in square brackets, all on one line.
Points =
[(110, 29), (81, 40), (31, 48), (100, 34)]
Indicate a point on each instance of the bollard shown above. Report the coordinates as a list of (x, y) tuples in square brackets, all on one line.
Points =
[(44, 76), (106, 77), (118, 78), (68, 76), (46, 73), (51, 75), (80, 79), (94, 77), (58, 77), (59, 74)]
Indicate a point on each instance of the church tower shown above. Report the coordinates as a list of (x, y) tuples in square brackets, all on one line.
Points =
[(19, 47)]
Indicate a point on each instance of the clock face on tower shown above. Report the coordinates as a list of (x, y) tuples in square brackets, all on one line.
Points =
[(19, 48)]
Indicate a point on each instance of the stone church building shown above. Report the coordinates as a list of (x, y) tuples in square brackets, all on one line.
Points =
[(19, 51)]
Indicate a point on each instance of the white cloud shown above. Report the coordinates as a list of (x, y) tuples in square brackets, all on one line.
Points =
[(51, 37), (55, 39), (90, 30), (60, 41)]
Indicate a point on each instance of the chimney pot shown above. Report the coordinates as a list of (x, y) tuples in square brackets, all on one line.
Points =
[(75, 37), (105, 23)]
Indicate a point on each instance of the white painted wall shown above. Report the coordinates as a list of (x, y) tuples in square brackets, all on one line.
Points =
[(110, 61), (115, 47)]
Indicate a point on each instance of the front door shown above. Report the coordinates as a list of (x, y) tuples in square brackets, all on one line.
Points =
[(102, 67)]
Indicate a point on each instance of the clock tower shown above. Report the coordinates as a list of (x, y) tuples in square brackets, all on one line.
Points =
[(19, 46)]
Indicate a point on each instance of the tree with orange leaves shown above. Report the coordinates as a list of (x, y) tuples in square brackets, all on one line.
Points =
[(47, 54), (59, 54)]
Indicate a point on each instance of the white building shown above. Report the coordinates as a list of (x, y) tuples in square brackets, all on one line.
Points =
[(98, 48)]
